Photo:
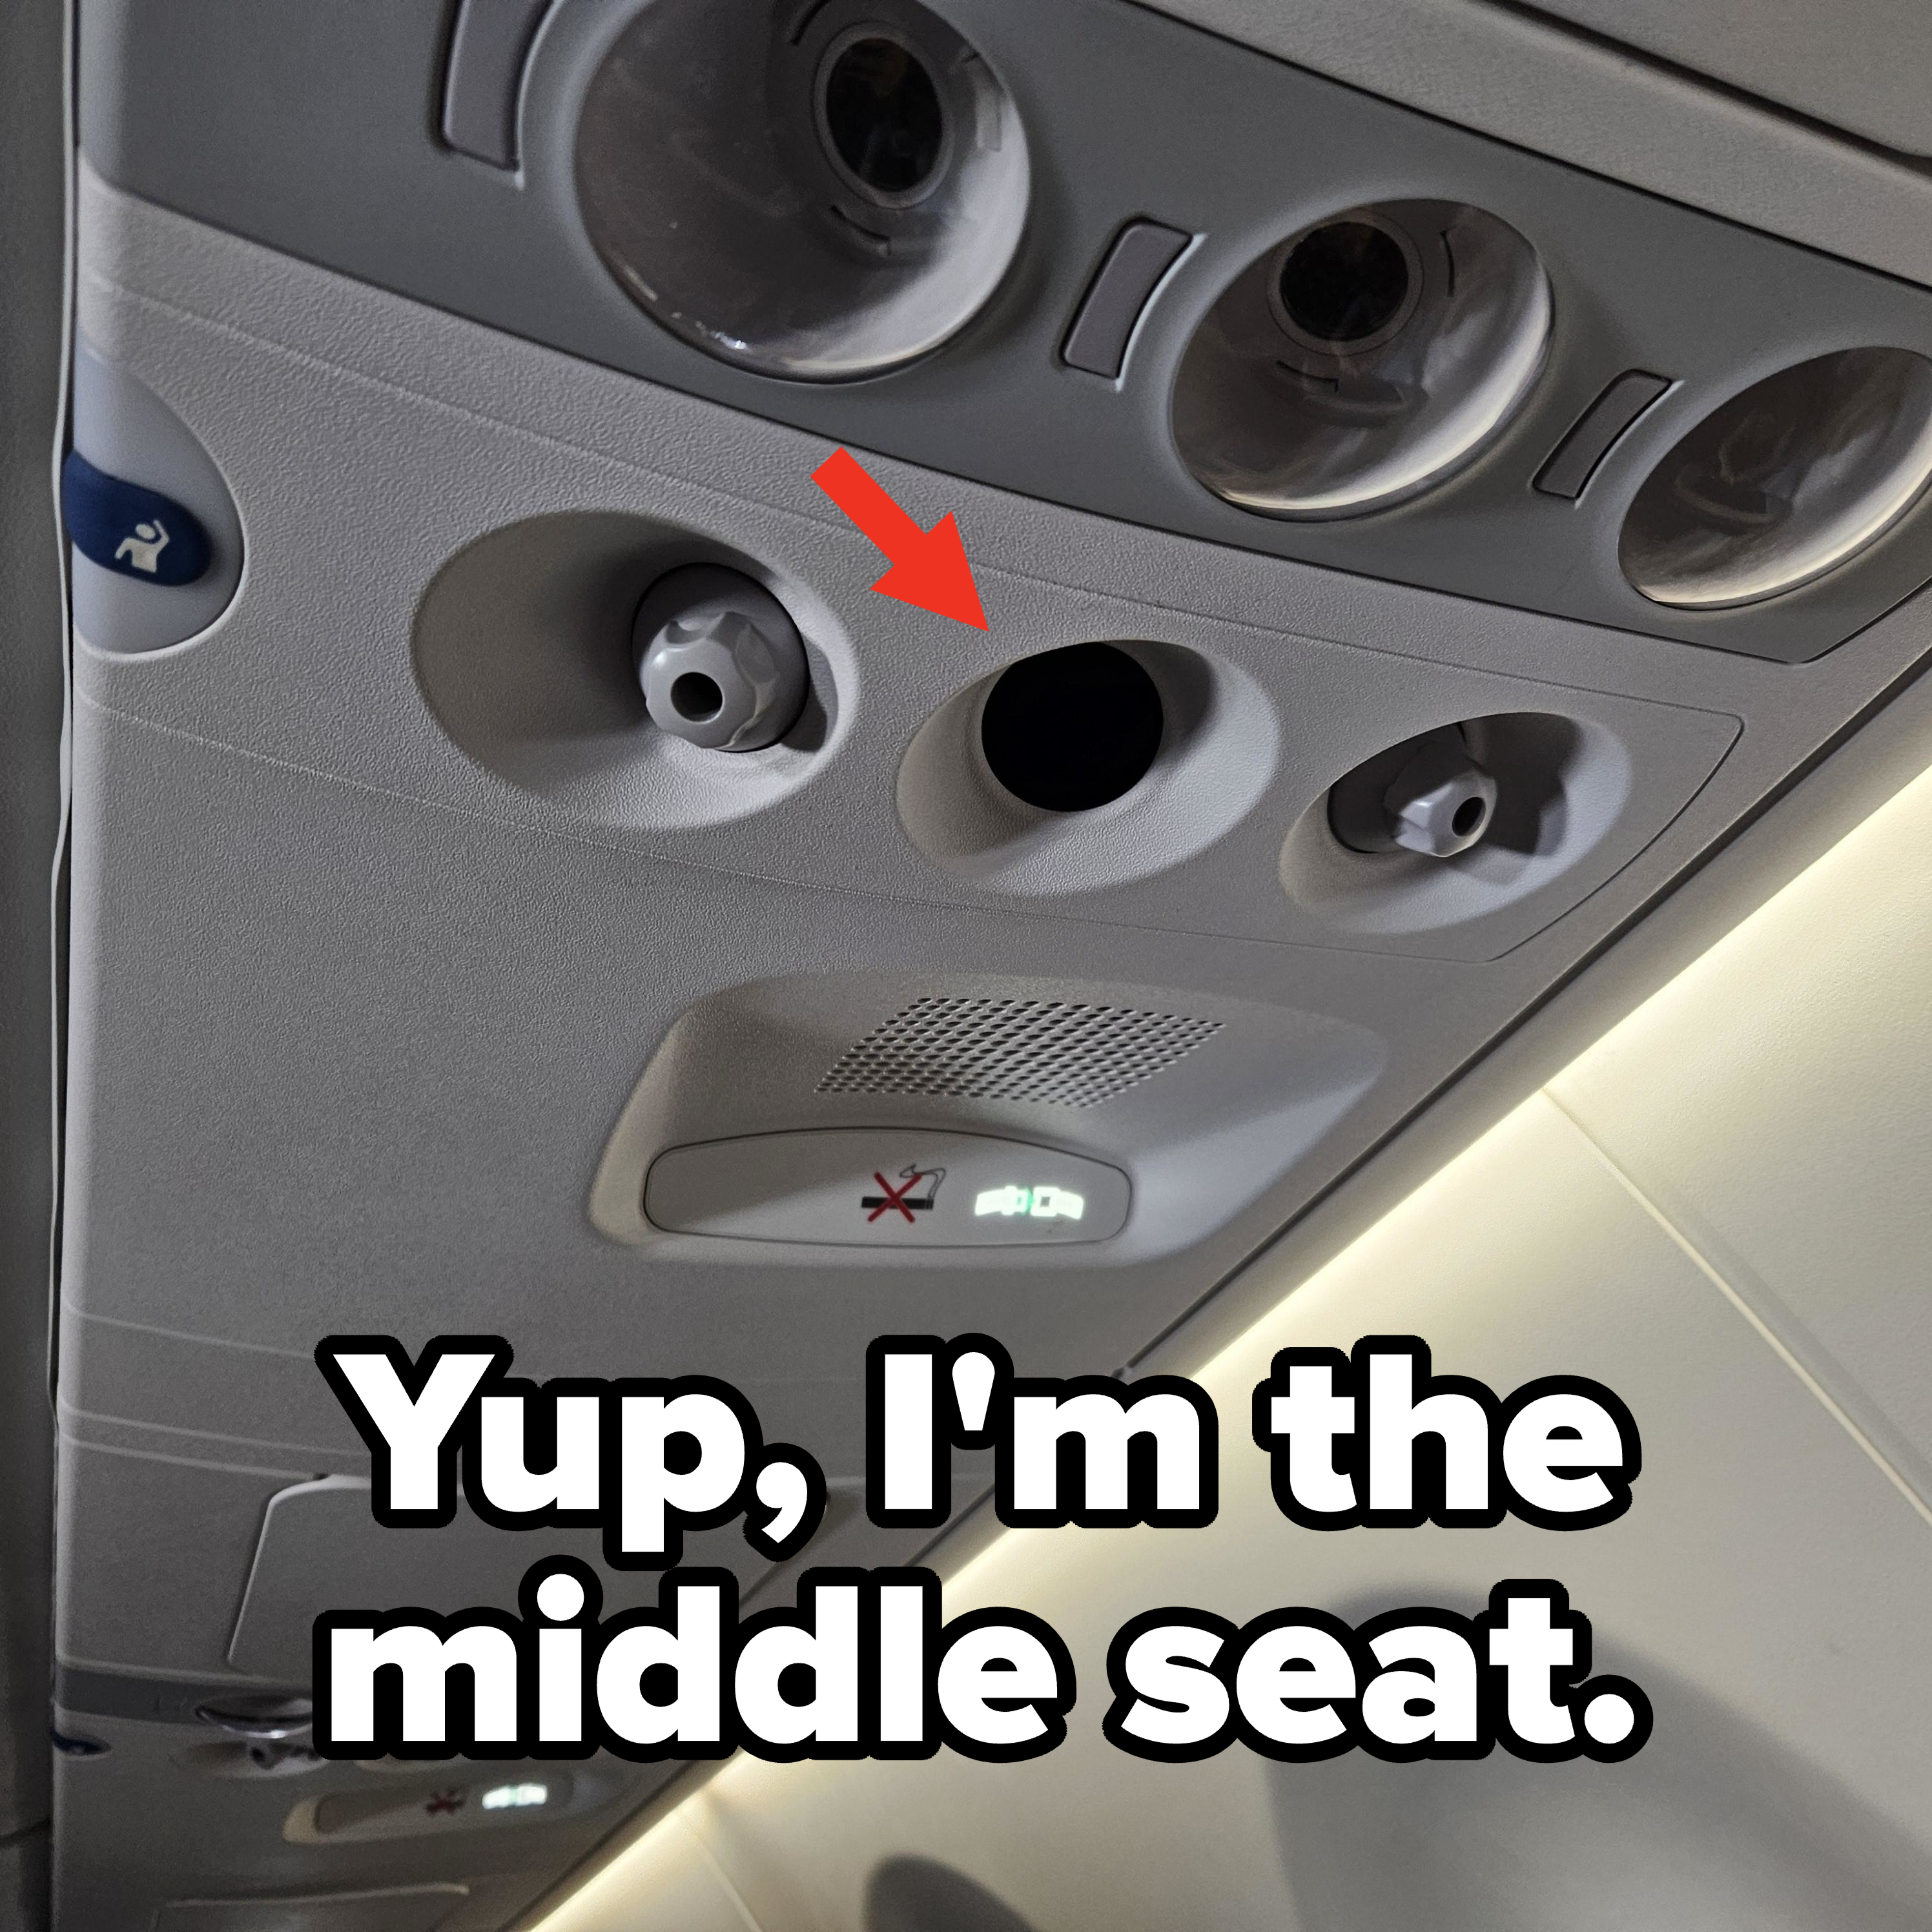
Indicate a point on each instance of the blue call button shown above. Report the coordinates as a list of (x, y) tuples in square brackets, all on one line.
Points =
[(122, 527)]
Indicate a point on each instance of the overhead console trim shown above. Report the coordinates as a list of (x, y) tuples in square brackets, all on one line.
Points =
[(1135, 266), (1595, 433), (487, 48), (1010, 1123), (898, 274)]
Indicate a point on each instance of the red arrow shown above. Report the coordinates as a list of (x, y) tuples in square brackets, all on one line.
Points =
[(929, 567)]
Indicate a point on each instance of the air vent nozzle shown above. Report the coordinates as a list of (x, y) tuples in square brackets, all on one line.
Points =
[(1363, 360), (818, 189)]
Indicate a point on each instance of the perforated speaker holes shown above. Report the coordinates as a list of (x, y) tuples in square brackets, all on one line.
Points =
[(1055, 1052)]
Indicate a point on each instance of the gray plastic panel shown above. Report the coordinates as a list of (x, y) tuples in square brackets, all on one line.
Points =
[(345, 172), (321, 1549), (1594, 432), (487, 46), (515, 954), (1860, 65), (360, 984), (510, 623), (1142, 253), (146, 1700), (144, 1822), (153, 1553), (417, 1909), (1537, 83), (355, 1015)]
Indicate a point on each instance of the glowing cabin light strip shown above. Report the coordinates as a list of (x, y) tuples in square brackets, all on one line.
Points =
[(514, 1797), (1839, 905), (1040, 1203)]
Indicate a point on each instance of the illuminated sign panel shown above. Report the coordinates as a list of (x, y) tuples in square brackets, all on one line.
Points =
[(514, 1797), (1041, 1204)]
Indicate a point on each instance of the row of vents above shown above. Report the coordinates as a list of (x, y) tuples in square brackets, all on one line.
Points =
[(872, 208)]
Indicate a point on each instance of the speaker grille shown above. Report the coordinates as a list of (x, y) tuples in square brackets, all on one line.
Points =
[(1058, 1052)]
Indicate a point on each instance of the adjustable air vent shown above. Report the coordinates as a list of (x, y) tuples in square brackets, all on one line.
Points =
[(1056, 1052)]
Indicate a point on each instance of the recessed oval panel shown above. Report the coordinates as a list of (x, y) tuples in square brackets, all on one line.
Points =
[(1782, 482), (819, 193), (1363, 360)]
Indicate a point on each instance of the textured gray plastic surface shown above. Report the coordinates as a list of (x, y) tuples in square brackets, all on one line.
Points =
[(416, 1909), (487, 46), (512, 650), (1140, 255), (439, 978), (320, 1549), (1251, 151), (1594, 432), (233, 761), (1532, 80), (1860, 65)]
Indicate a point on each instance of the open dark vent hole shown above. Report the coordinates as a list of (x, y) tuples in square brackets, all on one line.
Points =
[(1344, 281), (883, 116), (1072, 729), (696, 697)]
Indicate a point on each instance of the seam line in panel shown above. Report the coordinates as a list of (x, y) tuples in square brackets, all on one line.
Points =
[(72, 1423), (1769, 1336), (282, 1472)]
